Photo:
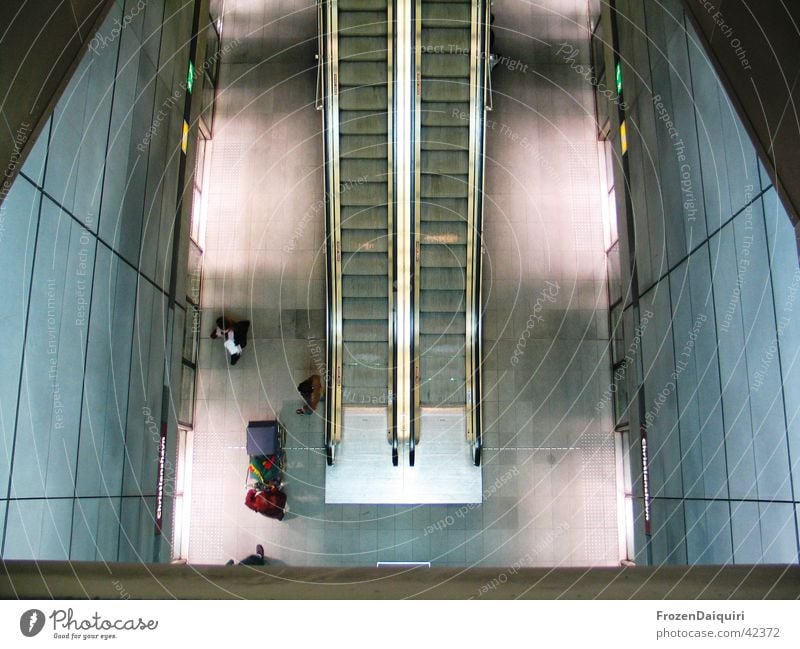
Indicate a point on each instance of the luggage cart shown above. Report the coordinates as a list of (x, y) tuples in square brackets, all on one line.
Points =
[(264, 482)]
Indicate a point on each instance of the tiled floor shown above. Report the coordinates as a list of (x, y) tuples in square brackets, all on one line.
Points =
[(548, 474)]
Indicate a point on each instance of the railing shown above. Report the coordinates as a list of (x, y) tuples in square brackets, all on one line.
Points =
[(327, 70), (480, 102), (394, 439), (487, 54), (319, 103)]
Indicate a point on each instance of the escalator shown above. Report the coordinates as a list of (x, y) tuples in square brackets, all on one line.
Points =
[(360, 228), (448, 172)]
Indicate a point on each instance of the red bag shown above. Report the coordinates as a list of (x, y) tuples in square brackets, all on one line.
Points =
[(270, 503)]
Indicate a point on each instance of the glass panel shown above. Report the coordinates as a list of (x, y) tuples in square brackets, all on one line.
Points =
[(210, 72), (621, 414), (194, 272), (614, 275), (612, 208), (617, 337), (186, 411), (191, 334)]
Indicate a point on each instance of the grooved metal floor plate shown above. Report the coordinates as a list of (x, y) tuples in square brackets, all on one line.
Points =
[(443, 471)]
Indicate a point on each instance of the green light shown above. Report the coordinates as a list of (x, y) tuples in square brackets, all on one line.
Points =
[(619, 78), (190, 78)]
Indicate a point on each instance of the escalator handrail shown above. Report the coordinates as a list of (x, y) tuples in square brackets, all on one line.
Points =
[(487, 64), (319, 103)]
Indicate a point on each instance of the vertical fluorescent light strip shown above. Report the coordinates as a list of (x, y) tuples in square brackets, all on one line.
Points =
[(403, 101)]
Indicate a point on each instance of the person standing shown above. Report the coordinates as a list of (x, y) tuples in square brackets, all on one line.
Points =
[(311, 391), (256, 559)]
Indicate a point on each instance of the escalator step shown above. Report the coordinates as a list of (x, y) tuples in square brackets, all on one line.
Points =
[(443, 279), (445, 66), (438, 256), (372, 98), (432, 322), (437, 186), (364, 146), (364, 330), (362, 23), (440, 367), (359, 122), (444, 162), (449, 301), (442, 345), (444, 209), (365, 308), (370, 354), (368, 217), (445, 41), (362, 5), (365, 194), (362, 48), (364, 376), (445, 90), (445, 114), (447, 233), (362, 170), (365, 263), (440, 391), (364, 240), (446, 15), (365, 396), (365, 286), (362, 74), (444, 138)]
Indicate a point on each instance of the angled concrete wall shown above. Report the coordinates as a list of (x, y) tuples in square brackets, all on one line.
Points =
[(41, 43)]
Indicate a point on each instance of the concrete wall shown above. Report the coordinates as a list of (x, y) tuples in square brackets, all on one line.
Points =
[(42, 43), (718, 270), (87, 246)]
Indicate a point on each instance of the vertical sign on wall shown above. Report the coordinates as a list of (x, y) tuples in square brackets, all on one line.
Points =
[(162, 459), (645, 479)]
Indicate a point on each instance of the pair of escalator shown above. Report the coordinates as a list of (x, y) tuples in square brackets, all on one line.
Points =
[(360, 54)]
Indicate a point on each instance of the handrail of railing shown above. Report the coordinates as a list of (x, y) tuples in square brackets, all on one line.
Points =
[(475, 423), (320, 101), (487, 63)]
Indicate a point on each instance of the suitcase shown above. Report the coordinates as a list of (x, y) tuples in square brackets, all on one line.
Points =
[(263, 438)]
